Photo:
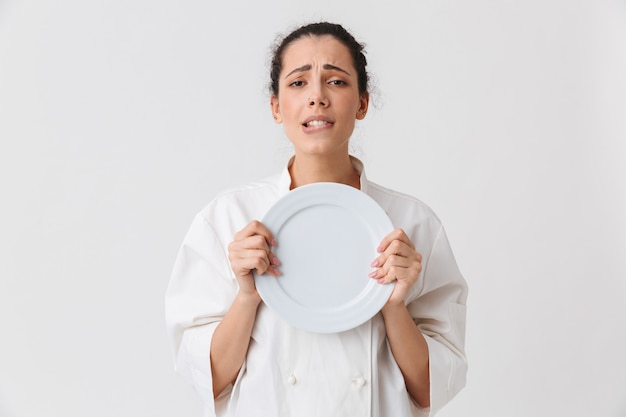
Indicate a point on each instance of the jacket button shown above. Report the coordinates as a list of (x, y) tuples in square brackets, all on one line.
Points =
[(359, 382), (291, 380)]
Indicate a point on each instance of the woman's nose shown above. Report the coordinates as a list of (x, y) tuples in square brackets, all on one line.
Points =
[(317, 100), (317, 97)]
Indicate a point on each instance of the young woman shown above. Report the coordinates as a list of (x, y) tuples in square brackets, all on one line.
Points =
[(408, 360)]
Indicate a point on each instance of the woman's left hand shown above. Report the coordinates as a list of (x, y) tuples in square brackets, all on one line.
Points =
[(398, 261)]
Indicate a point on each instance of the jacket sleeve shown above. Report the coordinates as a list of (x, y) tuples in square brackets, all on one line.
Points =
[(200, 291), (439, 311)]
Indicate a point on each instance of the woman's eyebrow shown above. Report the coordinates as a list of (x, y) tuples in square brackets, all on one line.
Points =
[(308, 67), (334, 68), (300, 69)]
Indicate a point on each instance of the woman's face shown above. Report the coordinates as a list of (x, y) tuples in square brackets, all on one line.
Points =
[(318, 100)]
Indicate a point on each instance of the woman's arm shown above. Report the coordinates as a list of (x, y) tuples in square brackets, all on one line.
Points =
[(249, 251), (231, 339), (398, 261), (410, 351)]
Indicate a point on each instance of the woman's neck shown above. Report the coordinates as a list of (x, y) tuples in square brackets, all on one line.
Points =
[(308, 170)]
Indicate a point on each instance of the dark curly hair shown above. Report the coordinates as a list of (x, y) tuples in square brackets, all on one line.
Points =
[(357, 50)]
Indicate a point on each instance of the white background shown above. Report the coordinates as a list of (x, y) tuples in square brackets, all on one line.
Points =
[(120, 119)]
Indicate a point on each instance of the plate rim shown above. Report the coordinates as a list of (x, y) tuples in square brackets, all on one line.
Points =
[(371, 298)]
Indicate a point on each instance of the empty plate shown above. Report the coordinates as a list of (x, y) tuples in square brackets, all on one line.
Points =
[(327, 236)]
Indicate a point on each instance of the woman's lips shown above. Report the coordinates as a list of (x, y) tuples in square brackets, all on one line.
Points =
[(317, 123)]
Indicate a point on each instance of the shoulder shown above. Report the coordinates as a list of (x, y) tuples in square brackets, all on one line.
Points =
[(410, 214), (243, 194), (242, 204), (402, 207)]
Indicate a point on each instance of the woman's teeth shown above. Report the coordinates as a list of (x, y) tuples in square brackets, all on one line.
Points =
[(316, 123)]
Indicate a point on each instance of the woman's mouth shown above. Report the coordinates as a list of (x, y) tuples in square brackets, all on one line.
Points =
[(316, 123)]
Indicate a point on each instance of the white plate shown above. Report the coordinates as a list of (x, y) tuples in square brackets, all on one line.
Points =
[(327, 235)]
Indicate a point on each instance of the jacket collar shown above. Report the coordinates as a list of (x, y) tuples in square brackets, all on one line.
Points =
[(285, 179)]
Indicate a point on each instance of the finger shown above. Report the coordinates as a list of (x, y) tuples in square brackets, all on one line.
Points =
[(397, 234), (272, 268), (392, 262), (255, 242), (408, 274), (245, 261), (251, 251), (395, 248), (253, 228), (394, 273)]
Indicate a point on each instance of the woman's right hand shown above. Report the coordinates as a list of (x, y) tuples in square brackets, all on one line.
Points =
[(251, 250)]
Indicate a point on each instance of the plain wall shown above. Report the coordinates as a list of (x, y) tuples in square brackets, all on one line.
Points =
[(119, 120)]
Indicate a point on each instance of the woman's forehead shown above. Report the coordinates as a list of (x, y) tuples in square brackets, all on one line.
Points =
[(319, 50)]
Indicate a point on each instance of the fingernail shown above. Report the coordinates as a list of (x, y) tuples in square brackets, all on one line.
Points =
[(373, 274), (374, 263), (381, 281), (273, 242), (275, 261)]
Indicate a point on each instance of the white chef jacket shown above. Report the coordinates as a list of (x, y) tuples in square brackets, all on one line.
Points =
[(291, 372)]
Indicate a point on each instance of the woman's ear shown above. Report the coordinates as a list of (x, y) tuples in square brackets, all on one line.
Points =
[(275, 109), (363, 105)]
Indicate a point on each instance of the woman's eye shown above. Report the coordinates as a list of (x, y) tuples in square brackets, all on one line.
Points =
[(297, 84), (337, 82)]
